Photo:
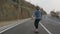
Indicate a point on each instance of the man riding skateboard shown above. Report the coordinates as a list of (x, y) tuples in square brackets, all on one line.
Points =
[(38, 16)]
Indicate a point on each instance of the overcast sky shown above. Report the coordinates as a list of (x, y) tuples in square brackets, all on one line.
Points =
[(48, 5)]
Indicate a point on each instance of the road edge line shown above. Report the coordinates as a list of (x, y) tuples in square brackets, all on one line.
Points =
[(45, 28), (11, 27)]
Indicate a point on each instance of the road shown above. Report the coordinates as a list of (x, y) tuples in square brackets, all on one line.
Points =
[(46, 26)]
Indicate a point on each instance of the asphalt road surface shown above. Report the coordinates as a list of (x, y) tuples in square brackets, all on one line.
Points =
[(46, 26)]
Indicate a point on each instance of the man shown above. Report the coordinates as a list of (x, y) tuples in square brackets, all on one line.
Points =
[(38, 15)]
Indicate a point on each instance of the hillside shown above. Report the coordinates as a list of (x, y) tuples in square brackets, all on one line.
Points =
[(15, 9)]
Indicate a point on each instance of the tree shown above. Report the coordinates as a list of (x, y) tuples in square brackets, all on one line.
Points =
[(43, 11), (54, 14), (17, 1)]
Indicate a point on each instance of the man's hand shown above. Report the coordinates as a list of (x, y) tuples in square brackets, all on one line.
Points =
[(33, 18)]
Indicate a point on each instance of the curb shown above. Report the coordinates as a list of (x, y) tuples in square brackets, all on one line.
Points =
[(7, 27)]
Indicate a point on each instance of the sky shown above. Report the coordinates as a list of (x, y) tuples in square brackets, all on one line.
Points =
[(47, 5)]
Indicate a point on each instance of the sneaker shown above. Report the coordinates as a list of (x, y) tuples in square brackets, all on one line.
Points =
[(36, 30)]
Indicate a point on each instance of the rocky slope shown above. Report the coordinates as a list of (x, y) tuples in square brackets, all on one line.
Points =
[(15, 9)]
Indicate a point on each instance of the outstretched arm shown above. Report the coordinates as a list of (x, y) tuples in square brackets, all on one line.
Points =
[(33, 16)]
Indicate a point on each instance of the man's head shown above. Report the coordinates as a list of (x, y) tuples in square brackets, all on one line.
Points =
[(37, 8)]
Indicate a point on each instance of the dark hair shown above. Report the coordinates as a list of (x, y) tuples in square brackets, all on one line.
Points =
[(37, 7)]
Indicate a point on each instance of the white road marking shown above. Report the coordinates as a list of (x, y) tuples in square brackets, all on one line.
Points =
[(45, 28), (7, 29), (11, 26)]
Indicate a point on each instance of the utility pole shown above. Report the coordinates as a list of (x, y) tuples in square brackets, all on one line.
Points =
[(21, 8), (18, 4)]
